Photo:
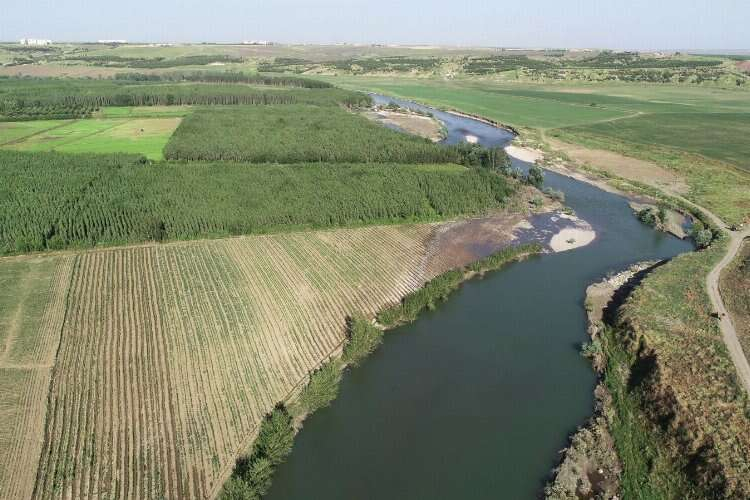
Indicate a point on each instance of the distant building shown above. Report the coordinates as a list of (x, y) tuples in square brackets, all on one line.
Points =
[(257, 42), (35, 42), (112, 42)]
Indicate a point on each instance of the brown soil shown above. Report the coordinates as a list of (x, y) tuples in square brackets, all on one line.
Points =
[(423, 126), (623, 166), (744, 66), (459, 243), (674, 223), (55, 71)]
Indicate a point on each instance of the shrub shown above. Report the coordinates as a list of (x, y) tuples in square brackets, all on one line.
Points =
[(702, 235), (363, 339), (321, 389), (252, 475), (535, 177)]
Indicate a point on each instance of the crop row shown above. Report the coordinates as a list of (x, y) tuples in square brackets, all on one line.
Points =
[(53, 200), (28, 97), (172, 355)]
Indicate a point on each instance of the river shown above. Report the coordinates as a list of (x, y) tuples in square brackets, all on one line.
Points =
[(476, 398)]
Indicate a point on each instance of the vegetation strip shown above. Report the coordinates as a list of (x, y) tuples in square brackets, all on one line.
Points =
[(252, 475), (54, 201)]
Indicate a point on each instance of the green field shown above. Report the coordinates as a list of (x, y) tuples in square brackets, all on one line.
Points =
[(296, 133), (14, 131), (513, 110), (146, 136), (52, 200), (721, 136)]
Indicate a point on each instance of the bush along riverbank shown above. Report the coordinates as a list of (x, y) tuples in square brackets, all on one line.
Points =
[(253, 472), (671, 419)]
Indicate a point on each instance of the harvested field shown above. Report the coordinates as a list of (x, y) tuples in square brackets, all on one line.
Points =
[(172, 354), (32, 308), (624, 166)]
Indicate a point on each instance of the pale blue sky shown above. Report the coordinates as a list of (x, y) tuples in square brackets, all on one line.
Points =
[(634, 24)]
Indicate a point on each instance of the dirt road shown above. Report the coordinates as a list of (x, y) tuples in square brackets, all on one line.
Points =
[(725, 320)]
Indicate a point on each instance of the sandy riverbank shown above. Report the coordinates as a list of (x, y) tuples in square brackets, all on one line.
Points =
[(524, 154), (412, 123)]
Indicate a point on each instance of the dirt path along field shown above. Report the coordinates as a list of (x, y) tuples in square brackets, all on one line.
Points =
[(668, 182), (728, 329)]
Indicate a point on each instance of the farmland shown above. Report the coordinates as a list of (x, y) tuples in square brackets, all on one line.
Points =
[(302, 133), (115, 199), (264, 311), (32, 311), (34, 99), (146, 136), (718, 136)]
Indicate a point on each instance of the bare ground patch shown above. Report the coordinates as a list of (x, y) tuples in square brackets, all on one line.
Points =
[(413, 123), (628, 168)]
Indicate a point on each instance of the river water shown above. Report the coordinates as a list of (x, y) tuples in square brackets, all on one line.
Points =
[(475, 399)]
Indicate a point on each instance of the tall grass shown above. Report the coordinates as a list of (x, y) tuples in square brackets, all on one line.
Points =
[(440, 287), (362, 339)]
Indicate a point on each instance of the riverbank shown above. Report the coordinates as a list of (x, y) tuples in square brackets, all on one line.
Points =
[(252, 477), (590, 466), (675, 389), (409, 122)]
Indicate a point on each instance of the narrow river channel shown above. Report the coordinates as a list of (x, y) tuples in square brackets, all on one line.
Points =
[(475, 399)]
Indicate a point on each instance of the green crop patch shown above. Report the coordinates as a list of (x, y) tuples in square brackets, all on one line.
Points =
[(53, 200), (296, 133), (144, 112), (516, 110), (17, 131), (146, 136), (721, 136)]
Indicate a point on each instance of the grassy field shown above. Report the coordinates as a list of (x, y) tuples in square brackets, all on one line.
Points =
[(17, 131), (735, 283), (673, 332), (150, 401), (294, 134), (53, 200), (720, 136), (32, 302), (504, 108), (145, 136)]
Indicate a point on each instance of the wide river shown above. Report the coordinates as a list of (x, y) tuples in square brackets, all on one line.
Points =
[(476, 398)]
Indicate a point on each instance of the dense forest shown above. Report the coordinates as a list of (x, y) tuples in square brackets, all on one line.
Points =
[(54, 200), (306, 133)]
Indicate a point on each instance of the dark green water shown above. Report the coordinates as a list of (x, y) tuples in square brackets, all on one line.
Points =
[(474, 399)]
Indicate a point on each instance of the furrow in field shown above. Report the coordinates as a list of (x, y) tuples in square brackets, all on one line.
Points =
[(172, 354)]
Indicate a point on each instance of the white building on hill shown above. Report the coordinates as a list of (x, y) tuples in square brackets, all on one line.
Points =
[(36, 42)]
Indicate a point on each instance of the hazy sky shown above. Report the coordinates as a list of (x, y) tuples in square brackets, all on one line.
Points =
[(636, 24)]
